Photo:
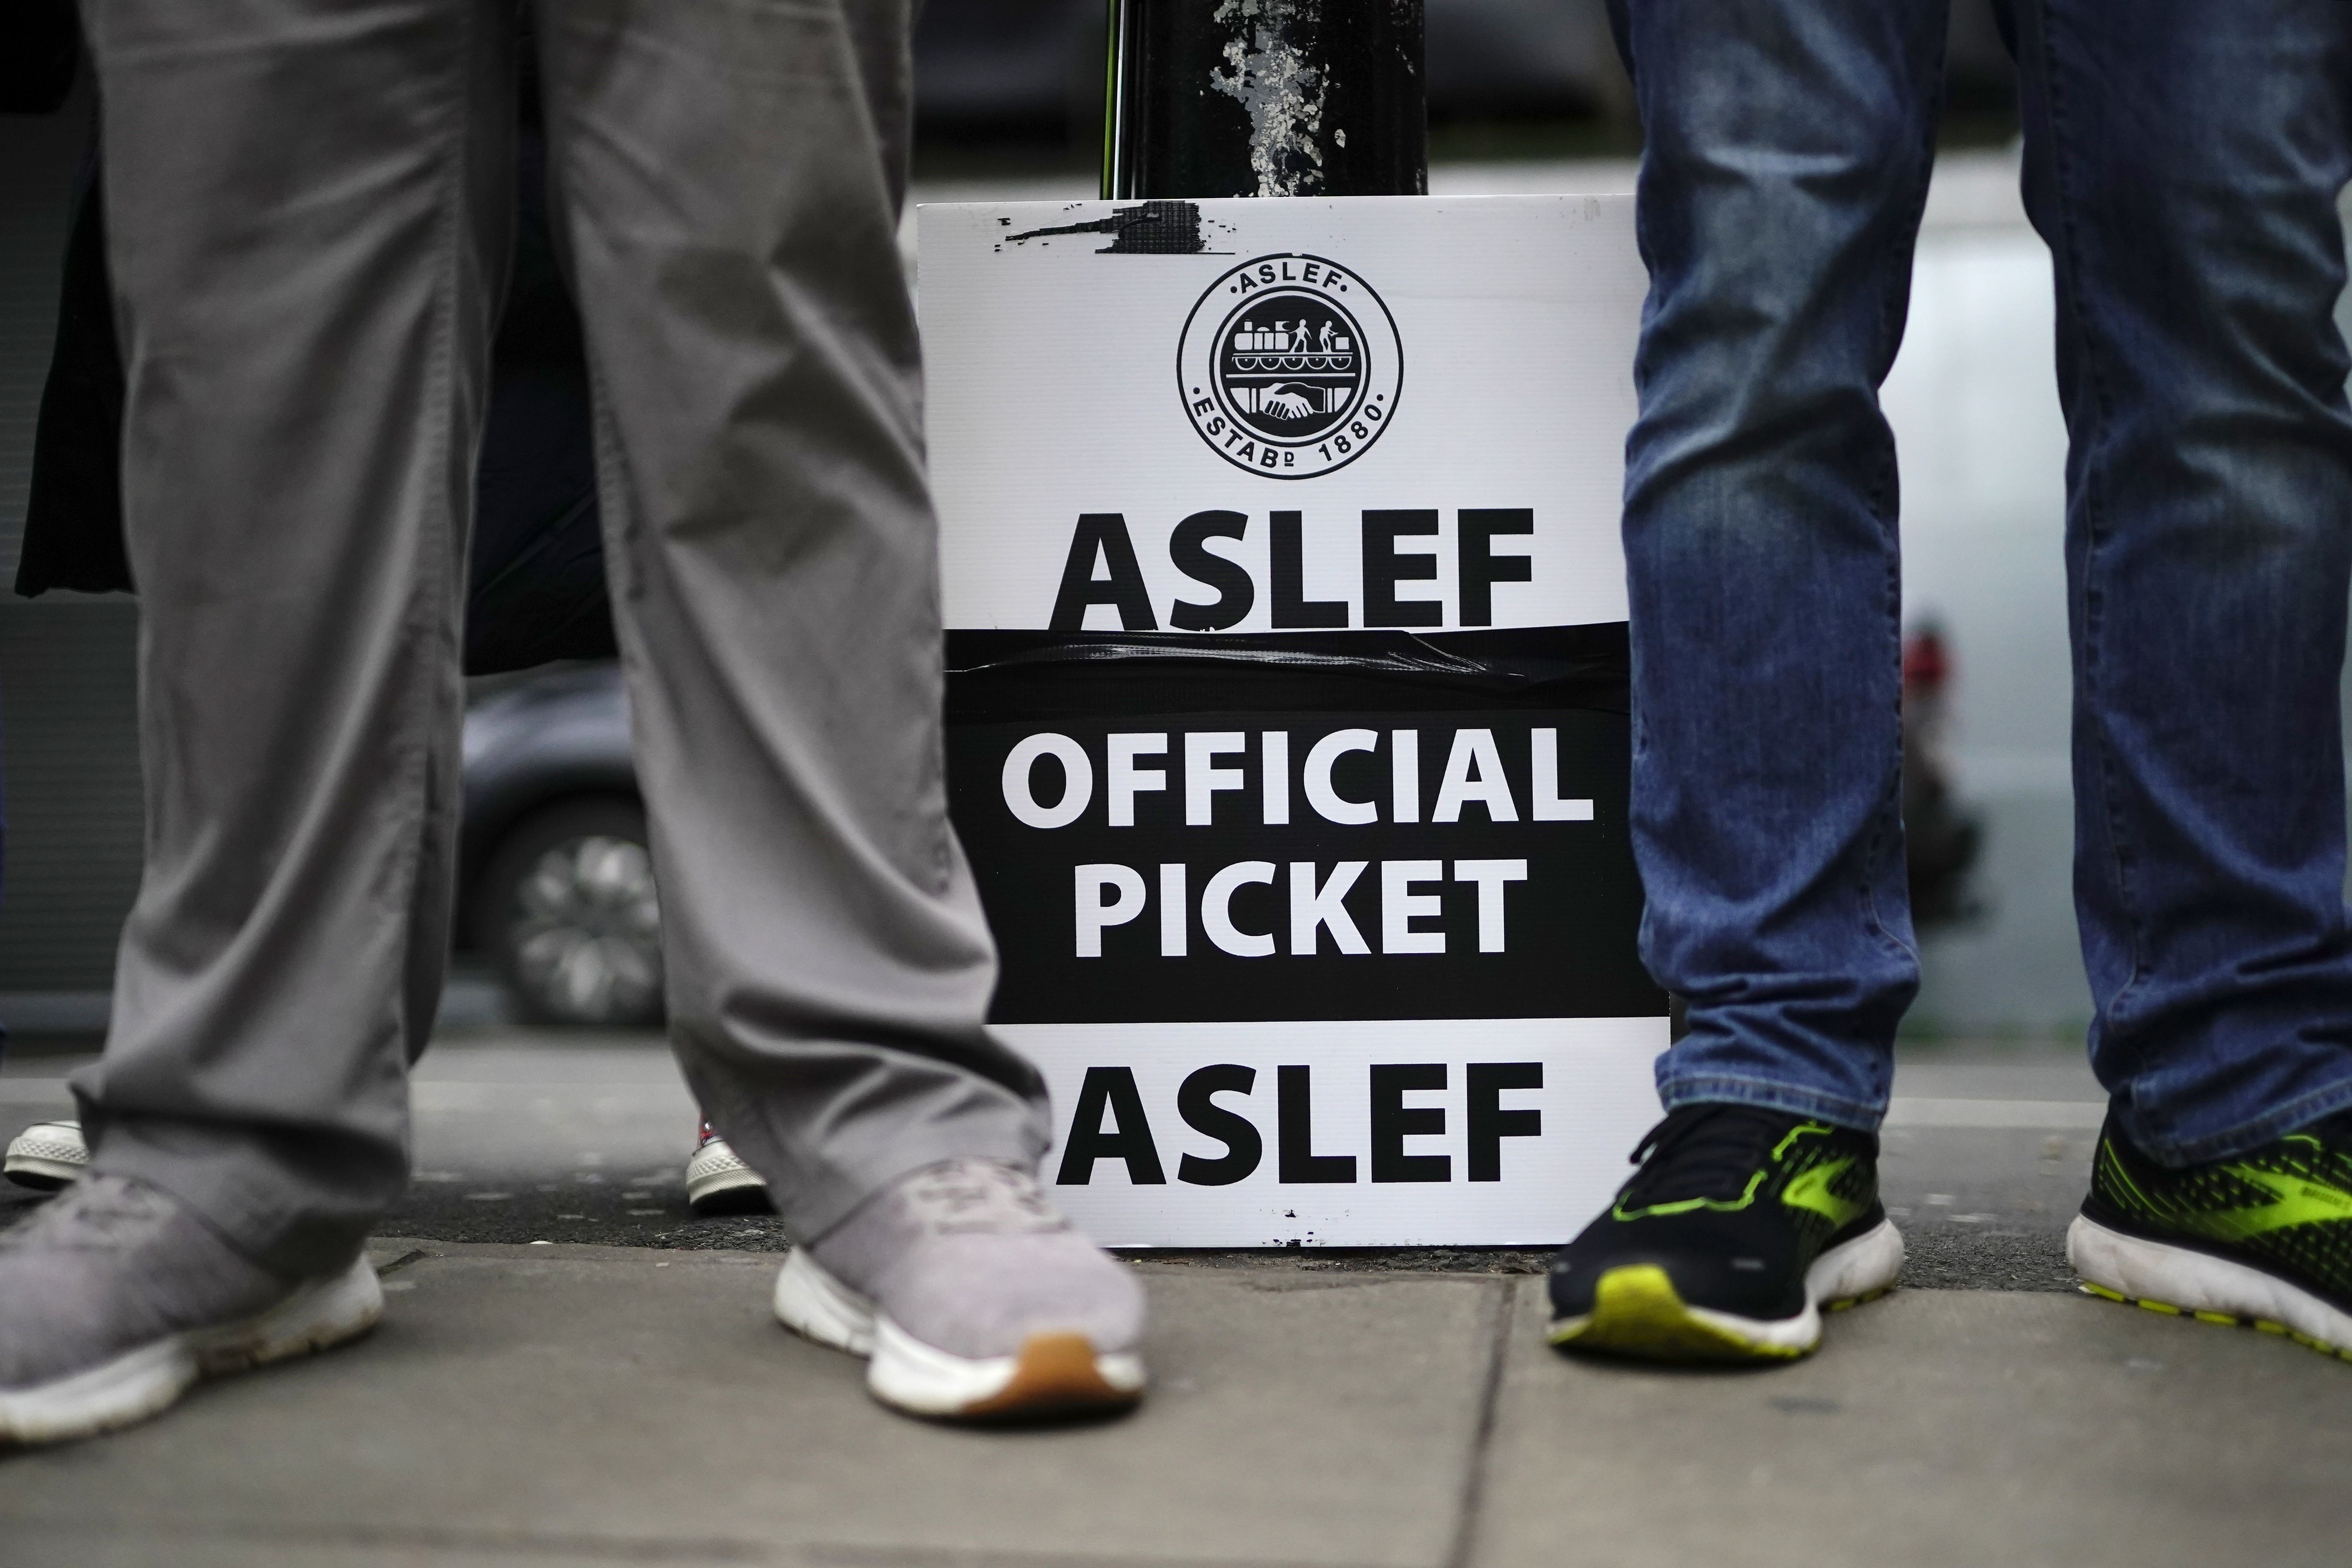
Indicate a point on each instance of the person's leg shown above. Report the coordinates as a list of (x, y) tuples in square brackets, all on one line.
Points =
[(776, 585), (1785, 162), (2186, 178), (304, 204), (731, 176), (302, 201), (1786, 145)]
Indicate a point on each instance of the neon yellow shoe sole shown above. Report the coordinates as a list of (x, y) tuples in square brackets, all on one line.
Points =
[(2177, 1281), (2219, 1320), (1637, 1312)]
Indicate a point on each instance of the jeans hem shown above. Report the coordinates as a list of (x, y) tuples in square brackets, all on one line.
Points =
[(1772, 1094), (2239, 1138)]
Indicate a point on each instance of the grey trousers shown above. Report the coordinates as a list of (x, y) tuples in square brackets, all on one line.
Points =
[(307, 209)]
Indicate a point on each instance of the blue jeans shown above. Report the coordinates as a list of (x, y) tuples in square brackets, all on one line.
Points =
[(2182, 160)]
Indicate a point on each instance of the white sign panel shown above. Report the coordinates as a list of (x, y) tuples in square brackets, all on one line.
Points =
[(1491, 345), (1423, 1133), (1329, 942)]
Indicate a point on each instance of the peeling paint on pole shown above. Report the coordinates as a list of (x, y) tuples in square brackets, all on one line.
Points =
[(1265, 98), (1272, 79)]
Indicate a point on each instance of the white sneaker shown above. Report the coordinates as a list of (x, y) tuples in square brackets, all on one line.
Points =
[(47, 1155), (718, 1181), (973, 1297), (114, 1299)]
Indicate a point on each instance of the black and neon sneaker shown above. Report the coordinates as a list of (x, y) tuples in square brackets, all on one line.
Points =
[(1739, 1228), (2264, 1239)]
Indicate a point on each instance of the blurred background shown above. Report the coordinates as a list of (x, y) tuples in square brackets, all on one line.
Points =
[(1525, 96)]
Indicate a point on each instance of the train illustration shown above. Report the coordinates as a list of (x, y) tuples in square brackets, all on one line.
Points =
[(1288, 348)]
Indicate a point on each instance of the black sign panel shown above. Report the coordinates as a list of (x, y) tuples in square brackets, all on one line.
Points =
[(1389, 863)]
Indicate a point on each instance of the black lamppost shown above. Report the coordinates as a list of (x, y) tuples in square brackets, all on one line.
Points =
[(1265, 98)]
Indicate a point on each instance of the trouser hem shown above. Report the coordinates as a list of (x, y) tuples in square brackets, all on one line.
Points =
[(820, 1213), (234, 1193)]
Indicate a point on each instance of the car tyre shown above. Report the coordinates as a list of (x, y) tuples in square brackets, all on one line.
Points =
[(568, 914)]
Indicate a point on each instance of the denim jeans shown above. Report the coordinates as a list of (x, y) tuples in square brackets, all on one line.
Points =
[(2182, 161)]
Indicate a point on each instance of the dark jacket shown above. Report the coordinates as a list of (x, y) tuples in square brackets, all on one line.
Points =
[(40, 51), (537, 578)]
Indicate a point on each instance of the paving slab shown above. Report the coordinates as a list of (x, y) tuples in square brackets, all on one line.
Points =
[(1934, 1428), (591, 1404)]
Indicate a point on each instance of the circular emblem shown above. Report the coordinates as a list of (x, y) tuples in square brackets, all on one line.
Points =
[(1289, 367)]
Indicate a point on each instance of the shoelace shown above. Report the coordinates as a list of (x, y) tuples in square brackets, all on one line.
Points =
[(1703, 1152), (980, 1195)]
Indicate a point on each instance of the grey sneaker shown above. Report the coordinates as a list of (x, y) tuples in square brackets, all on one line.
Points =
[(47, 1155), (974, 1298), (114, 1299)]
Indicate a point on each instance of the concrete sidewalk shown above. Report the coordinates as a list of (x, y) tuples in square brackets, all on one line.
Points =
[(580, 1403)]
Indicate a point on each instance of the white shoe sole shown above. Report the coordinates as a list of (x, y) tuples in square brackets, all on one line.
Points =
[(1636, 1310), (41, 1174), (2181, 1281), (1052, 1373), (142, 1383)]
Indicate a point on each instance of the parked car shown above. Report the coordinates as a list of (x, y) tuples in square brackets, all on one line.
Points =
[(555, 878), (1008, 67)]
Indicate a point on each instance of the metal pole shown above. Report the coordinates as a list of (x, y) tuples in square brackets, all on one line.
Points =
[(1265, 98)]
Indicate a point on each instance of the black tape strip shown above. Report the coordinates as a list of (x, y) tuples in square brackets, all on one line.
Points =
[(996, 677)]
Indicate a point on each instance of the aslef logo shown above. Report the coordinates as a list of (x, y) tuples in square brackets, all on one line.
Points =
[(1290, 366)]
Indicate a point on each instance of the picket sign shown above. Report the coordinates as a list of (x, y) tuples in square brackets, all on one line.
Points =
[(1286, 723)]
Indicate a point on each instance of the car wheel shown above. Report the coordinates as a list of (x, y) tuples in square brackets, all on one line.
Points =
[(568, 914)]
